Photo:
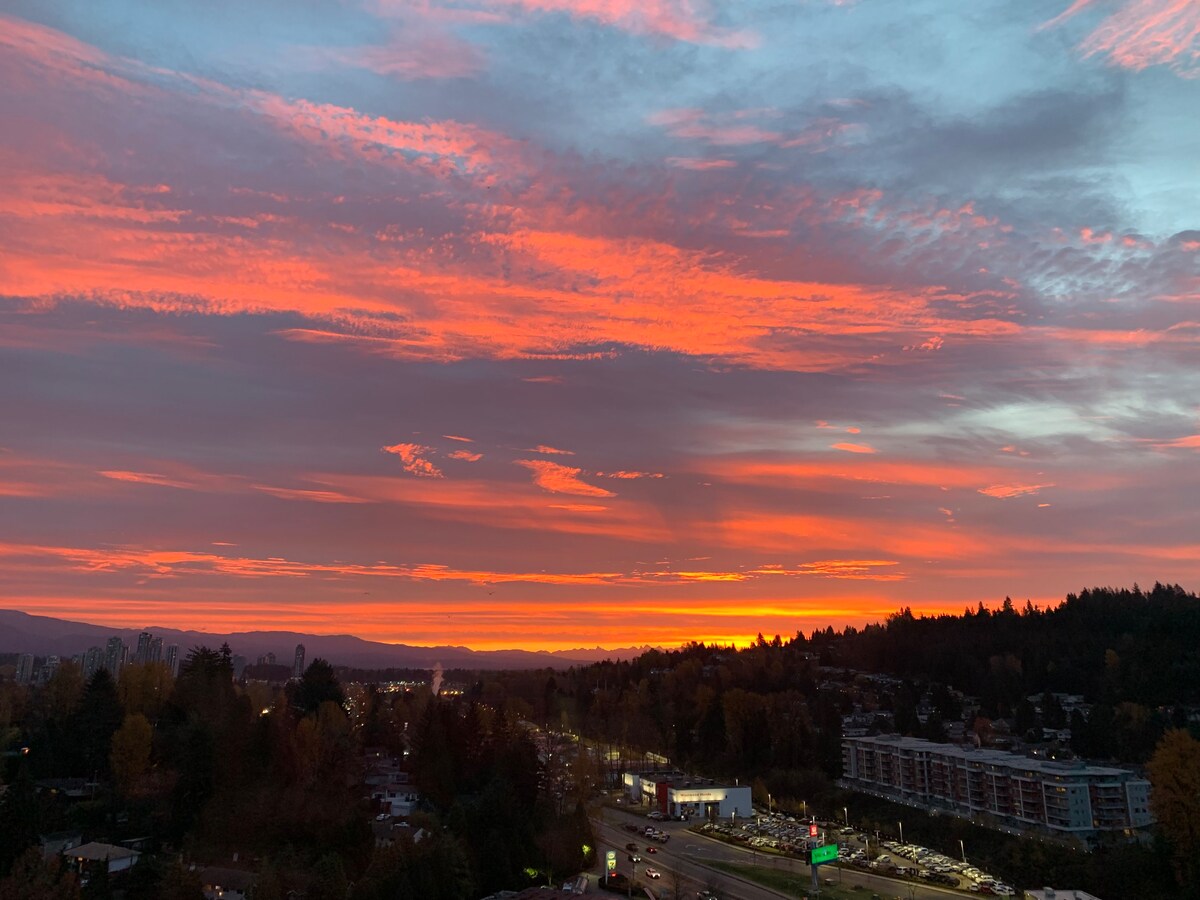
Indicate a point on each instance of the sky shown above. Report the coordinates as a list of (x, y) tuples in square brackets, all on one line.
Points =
[(565, 323)]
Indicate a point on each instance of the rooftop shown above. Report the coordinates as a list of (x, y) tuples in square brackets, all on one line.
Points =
[(995, 757)]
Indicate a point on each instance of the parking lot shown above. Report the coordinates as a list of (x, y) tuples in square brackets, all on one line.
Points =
[(788, 835)]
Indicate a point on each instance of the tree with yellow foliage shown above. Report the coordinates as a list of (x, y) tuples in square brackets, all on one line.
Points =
[(1174, 772), (130, 755)]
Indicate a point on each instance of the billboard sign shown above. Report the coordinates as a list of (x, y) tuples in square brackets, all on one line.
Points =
[(826, 854), (610, 860)]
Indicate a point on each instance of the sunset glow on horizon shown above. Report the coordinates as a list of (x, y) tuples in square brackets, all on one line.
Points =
[(550, 324)]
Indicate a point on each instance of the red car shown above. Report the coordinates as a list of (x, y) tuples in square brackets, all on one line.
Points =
[(651, 849)]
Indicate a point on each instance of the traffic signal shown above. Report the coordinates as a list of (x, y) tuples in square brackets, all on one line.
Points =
[(812, 830)]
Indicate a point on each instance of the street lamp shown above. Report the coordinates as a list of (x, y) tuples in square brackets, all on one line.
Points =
[(964, 851), (901, 824), (846, 815), (804, 809)]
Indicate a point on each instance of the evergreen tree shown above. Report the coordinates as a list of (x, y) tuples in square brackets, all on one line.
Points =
[(318, 685), (94, 723), (18, 819)]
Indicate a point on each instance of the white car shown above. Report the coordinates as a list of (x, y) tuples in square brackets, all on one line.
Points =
[(652, 872)]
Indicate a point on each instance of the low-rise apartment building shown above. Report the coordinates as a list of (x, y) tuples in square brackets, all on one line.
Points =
[(1067, 799)]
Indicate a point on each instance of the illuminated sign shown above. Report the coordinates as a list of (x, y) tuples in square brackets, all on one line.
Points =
[(825, 854), (812, 830), (610, 860)]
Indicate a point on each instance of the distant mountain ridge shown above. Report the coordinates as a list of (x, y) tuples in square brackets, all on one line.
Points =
[(21, 632)]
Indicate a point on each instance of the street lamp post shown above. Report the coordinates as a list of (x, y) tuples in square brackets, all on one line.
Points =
[(804, 809), (964, 851), (846, 814), (901, 824)]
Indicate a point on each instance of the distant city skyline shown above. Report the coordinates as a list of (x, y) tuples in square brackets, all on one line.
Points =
[(547, 324)]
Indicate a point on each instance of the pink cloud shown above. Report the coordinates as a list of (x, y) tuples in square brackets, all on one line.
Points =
[(559, 479), (1144, 33), (712, 128), (465, 455), (854, 448), (700, 165), (458, 437), (413, 461), (738, 128), (681, 20), (412, 54)]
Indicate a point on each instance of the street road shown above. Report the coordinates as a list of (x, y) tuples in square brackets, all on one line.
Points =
[(687, 853)]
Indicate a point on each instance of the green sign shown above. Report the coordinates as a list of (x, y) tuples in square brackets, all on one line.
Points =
[(610, 860), (825, 854)]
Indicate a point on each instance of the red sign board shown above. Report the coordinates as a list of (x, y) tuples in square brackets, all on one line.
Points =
[(812, 830)]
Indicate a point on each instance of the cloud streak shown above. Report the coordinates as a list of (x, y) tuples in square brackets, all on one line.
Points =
[(1144, 33)]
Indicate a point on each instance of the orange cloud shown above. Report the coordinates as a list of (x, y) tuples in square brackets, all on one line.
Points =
[(148, 478), (1191, 442), (177, 563), (517, 506), (458, 437), (549, 451), (860, 467), (465, 455), (853, 448), (1008, 491), (308, 495), (629, 475), (413, 461), (850, 569), (559, 479)]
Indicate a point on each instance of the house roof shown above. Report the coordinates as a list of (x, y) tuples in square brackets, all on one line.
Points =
[(100, 852)]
